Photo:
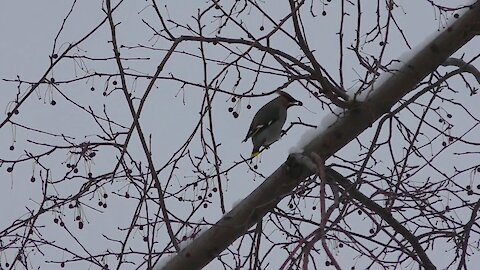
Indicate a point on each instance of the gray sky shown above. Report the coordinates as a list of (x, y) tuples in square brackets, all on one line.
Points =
[(28, 28)]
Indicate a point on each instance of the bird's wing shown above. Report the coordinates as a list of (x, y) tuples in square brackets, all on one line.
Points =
[(255, 129), (258, 123)]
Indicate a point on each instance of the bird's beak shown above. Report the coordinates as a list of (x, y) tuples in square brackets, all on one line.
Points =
[(295, 103)]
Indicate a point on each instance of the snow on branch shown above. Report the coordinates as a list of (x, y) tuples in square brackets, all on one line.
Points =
[(462, 65)]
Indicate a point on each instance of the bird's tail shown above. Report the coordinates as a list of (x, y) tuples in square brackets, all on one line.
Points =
[(254, 154)]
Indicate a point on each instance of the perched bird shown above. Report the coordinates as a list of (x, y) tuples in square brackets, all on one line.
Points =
[(266, 126)]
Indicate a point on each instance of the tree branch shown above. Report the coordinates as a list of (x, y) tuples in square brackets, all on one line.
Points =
[(383, 213)]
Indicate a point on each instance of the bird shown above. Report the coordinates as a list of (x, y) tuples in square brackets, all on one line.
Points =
[(266, 126)]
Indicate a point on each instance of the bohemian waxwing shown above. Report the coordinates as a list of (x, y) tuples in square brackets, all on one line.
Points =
[(266, 126)]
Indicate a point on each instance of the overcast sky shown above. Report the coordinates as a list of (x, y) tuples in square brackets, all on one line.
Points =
[(27, 31)]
